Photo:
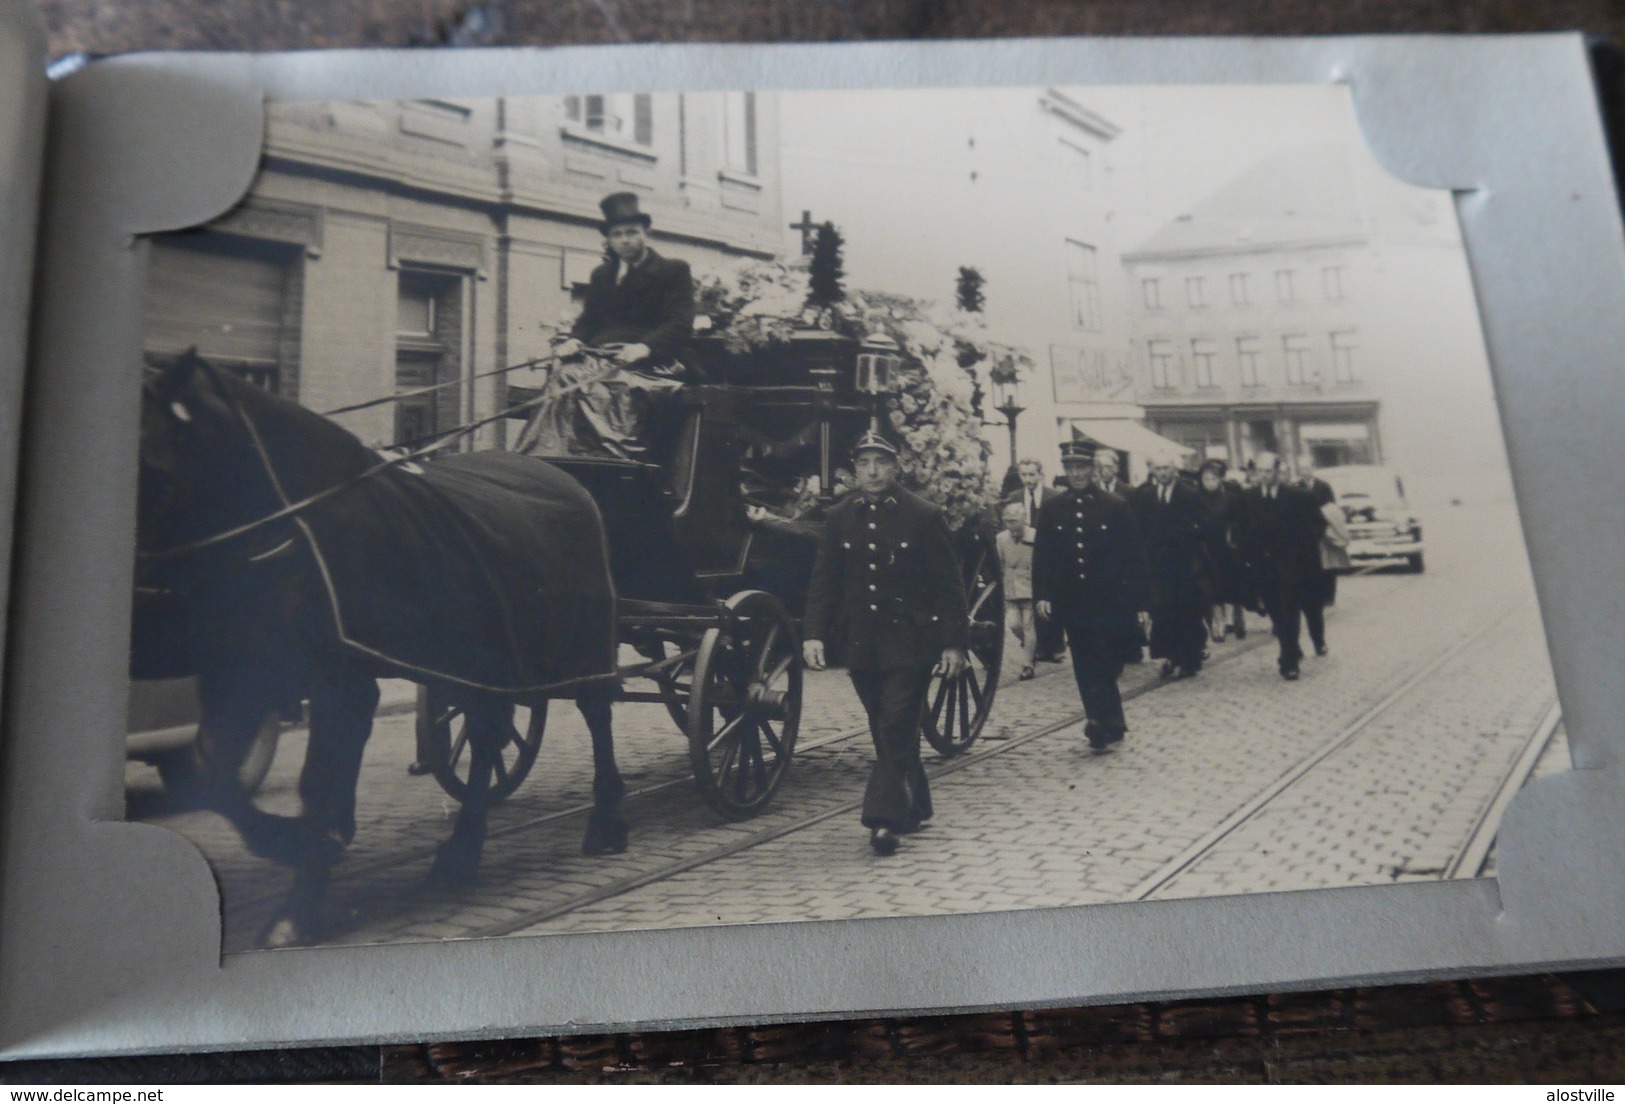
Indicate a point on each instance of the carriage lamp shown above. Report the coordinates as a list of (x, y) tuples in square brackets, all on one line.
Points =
[(878, 365), (1007, 401)]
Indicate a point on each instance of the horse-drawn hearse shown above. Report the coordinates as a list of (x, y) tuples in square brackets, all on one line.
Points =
[(710, 600), (307, 566)]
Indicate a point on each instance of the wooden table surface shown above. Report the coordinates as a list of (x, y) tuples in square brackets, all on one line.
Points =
[(1542, 1028)]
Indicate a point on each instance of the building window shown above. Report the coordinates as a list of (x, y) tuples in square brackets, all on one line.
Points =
[(623, 115), (1078, 165), (1331, 282), (1247, 361), (1238, 290), (1202, 362), (1083, 283), (428, 353), (1284, 290), (1151, 289), (739, 131), (415, 307), (1161, 354), (1295, 356), (237, 300), (1343, 357), (1196, 291)]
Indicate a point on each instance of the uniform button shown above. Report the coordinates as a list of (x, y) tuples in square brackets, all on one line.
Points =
[(871, 525), (874, 607), (871, 548), (872, 586), (874, 567)]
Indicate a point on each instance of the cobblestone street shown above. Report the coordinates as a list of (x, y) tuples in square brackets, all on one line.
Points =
[(1390, 760)]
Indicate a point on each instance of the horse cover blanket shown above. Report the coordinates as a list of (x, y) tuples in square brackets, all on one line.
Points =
[(487, 569)]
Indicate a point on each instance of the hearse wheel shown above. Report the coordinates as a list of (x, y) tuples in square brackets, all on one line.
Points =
[(444, 751), (745, 706)]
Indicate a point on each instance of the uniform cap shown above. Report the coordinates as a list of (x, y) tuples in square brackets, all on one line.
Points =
[(1078, 451), (873, 442)]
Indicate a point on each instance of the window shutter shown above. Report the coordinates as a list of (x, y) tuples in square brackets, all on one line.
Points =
[(643, 120)]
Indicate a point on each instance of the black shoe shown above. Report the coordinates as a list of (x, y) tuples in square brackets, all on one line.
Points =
[(884, 841), (1289, 673), (1320, 649), (1241, 632), (1169, 671)]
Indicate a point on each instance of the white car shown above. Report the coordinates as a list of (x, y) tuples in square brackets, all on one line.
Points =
[(1382, 529)]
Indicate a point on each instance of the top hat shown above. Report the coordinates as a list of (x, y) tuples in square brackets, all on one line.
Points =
[(873, 442), (621, 207), (1215, 464), (1077, 452)]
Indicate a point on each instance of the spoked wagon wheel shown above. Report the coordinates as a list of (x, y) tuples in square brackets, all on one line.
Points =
[(443, 746), (676, 685), (745, 707), (956, 709)]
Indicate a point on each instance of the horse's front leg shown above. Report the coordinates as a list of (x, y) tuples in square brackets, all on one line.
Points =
[(606, 827), (490, 727), (342, 701)]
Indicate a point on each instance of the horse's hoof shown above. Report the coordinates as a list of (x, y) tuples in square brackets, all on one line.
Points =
[(456, 866), (604, 837), (283, 932)]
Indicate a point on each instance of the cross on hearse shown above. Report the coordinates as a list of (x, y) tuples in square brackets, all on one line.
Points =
[(808, 229)]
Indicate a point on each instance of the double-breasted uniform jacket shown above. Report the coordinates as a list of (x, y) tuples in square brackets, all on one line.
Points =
[(887, 580), (652, 305), (1279, 536), (1173, 539), (1089, 562)]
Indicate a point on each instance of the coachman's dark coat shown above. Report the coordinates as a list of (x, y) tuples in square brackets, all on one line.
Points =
[(653, 305)]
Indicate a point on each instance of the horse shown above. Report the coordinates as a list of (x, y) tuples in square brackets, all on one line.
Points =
[(231, 479)]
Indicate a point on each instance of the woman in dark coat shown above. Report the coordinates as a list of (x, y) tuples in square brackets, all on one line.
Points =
[(1227, 575)]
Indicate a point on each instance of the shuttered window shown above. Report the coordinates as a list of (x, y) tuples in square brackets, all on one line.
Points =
[(228, 296)]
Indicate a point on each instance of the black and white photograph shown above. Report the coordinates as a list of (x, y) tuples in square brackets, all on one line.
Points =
[(602, 512)]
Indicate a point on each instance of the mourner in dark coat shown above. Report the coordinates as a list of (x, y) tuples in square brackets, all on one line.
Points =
[(1170, 519), (1032, 494), (1090, 575), (1279, 538), (887, 581), (640, 306), (1229, 588), (1321, 494)]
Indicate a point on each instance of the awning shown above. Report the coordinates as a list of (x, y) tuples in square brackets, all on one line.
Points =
[(1132, 438), (1334, 431)]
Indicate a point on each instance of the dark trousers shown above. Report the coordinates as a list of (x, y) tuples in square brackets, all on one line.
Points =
[(1097, 663), (1178, 631), (1051, 640), (898, 796), (1289, 604)]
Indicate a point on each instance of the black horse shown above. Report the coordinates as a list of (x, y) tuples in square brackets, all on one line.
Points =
[(307, 567)]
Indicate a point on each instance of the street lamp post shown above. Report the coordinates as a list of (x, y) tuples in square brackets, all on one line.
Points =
[(1007, 401)]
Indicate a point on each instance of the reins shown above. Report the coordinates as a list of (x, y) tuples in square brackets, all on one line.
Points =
[(290, 509)]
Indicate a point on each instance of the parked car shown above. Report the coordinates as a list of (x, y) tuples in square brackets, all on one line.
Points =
[(1382, 528), (164, 729)]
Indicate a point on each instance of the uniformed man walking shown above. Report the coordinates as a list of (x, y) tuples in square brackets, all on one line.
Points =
[(886, 578), (1090, 574)]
